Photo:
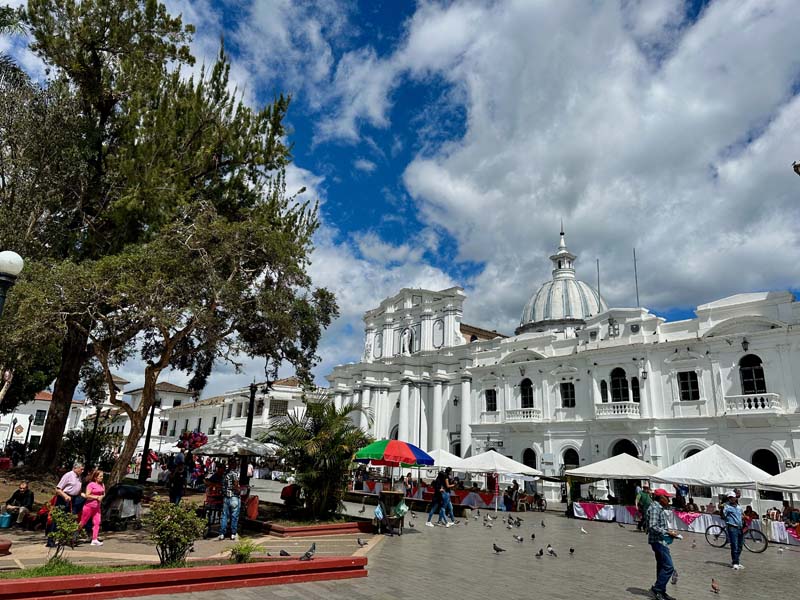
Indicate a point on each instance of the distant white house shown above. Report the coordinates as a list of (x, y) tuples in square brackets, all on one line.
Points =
[(27, 421)]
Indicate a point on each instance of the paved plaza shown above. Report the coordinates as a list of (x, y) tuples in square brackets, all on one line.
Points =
[(609, 562)]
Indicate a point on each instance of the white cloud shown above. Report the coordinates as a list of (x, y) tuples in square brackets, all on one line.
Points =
[(364, 165)]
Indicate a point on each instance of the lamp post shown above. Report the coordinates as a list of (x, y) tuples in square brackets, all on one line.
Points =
[(11, 264), (27, 437), (146, 449), (248, 431), (11, 431)]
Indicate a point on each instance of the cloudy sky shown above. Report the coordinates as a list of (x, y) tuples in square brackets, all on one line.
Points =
[(446, 140)]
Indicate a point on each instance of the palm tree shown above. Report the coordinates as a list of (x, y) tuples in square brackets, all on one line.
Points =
[(10, 71), (320, 444)]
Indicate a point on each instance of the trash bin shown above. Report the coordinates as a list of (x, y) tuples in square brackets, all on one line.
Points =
[(5, 520)]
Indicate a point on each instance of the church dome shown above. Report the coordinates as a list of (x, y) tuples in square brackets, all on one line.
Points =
[(563, 301)]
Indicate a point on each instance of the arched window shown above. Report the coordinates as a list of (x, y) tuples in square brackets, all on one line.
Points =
[(526, 393), (571, 459), (624, 446), (603, 391), (635, 389), (751, 372), (529, 458), (393, 434), (491, 400), (619, 385), (767, 461)]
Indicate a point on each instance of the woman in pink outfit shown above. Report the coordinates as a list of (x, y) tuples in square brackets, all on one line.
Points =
[(91, 508)]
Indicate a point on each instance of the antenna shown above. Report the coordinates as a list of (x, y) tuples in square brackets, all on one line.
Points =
[(636, 278), (598, 276)]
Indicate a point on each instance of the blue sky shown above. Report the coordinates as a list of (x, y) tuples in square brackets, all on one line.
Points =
[(446, 140)]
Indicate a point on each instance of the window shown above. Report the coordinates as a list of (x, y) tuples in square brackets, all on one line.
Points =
[(176, 402), (603, 391), (568, 395), (491, 400), (260, 406), (35, 439), (200, 424), (174, 427), (162, 429), (186, 425), (40, 417), (635, 389), (213, 427), (230, 410), (239, 409), (278, 408), (526, 393), (619, 385), (751, 372), (688, 386)]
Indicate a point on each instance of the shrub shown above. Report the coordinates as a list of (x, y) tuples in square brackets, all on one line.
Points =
[(242, 550), (174, 528), (66, 532)]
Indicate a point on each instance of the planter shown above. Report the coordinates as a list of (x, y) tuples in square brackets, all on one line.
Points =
[(360, 526), (128, 584), (5, 547)]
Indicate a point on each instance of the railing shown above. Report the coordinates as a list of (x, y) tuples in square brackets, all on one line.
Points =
[(616, 410), (524, 414), (490, 417), (749, 404)]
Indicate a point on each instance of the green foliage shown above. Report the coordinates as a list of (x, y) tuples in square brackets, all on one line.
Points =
[(242, 550), (66, 532), (173, 530), (56, 567), (77, 442), (320, 445)]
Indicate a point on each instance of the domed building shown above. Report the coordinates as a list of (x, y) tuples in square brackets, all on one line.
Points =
[(563, 303)]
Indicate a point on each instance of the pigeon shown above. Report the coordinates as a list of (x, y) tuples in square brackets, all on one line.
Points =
[(411, 524), (533, 536), (413, 515), (674, 580), (518, 522), (497, 549), (361, 542), (583, 531), (309, 554), (620, 525), (714, 586), (543, 525), (780, 550), (540, 553), (551, 552), (509, 527), (479, 512), (489, 525), (476, 517), (284, 553), (519, 538), (510, 520), (269, 553), (694, 544), (572, 551)]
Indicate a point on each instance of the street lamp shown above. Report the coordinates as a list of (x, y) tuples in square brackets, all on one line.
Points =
[(11, 431), (11, 264), (27, 436)]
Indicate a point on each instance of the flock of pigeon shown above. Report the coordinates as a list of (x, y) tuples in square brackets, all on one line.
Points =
[(516, 522)]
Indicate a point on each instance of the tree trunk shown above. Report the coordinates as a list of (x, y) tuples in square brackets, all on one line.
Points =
[(138, 419), (73, 355)]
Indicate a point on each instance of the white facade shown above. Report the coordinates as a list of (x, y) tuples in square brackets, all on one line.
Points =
[(573, 387), (27, 420)]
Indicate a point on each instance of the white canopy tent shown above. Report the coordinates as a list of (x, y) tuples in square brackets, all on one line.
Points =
[(622, 466), (442, 458), (713, 466), (788, 481), (494, 462), (235, 445)]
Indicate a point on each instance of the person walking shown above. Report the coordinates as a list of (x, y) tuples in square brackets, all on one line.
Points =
[(643, 501), (660, 536), (447, 490), (177, 483), (437, 505), (95, 490), (230, 502), (734, 523)]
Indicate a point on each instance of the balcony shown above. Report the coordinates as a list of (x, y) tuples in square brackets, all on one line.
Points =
[(754, 404), (523, 414), (490, 417), (617, 410)]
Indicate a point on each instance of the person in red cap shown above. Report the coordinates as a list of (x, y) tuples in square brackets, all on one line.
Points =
[(660, 536)]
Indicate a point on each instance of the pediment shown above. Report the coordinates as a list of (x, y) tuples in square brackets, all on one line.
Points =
[(520, 356), (743, 325)]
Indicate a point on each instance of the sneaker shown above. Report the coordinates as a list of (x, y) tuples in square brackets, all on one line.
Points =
[(737, 567), (428, 524), (96, 543), (220, 537), (234, 537), (666, 596), (449, 524), (657, 595)]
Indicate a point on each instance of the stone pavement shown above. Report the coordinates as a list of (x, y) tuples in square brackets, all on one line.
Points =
[(609, 562)]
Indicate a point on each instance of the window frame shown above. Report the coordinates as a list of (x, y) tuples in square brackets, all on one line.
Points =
[(759, 384), (688, 386), (568, 399), (36, 420), (490, 396), (526, 400), (619, 385)]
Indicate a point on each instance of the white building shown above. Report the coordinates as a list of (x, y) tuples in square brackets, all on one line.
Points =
[(27, 421), (579, 381)]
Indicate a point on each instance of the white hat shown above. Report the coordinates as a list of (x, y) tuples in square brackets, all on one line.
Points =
[(732, 494)]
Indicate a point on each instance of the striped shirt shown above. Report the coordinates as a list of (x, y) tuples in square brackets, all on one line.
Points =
[(657, 525)]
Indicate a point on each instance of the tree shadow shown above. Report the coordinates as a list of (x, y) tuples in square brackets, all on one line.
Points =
[(634, 591)]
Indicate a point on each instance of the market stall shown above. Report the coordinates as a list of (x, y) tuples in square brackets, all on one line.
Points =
[(496, 463)]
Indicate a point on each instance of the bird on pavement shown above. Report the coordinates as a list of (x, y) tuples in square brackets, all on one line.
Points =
[(540, 553), (780, 550), (497, 549), (584, 531), (411, 524), (509, 527), (489, 525), (479, 512), (309, 554), (572, 551), (284, 553), (674, 580), (543, 523), (413, 515), (519, 538), (269, 553), (714, 586), (533, 536), (476, 517), (694, 543), (551, 552), (361, 542), (510, 520), (363, 506), (620, 525), (518, 522)]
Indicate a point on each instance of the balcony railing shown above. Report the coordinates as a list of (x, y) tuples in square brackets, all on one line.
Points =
[(617, 410), (490, 417), (752, 404), (524, 414)]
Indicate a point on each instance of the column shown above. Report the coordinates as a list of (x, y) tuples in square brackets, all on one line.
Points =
[(337, 400), (402, 420), (365, 404), (355, 400), (435, 422), (466, 415)]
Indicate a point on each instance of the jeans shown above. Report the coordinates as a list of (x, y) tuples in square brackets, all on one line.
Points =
[(447, 506), (437, 506), (230, 506), (735, 538), (664, 568)]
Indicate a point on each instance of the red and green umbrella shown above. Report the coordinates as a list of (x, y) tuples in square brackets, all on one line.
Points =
[(393, 453)]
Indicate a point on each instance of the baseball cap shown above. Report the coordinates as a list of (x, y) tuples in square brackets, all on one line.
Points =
[(731, 494), (662, 492)]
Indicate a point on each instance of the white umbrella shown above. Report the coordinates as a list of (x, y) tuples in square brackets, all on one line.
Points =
[(715, 467), (788, 481), (235, 445), (622, 466), (494, 462), (442, 458)]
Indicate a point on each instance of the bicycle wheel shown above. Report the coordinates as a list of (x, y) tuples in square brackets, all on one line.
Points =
[(716, 536), (755, 541)]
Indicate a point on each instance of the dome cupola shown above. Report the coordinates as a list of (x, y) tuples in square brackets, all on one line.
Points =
[(564, 301)]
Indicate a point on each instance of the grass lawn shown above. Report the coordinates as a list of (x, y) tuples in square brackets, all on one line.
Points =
[(64, 567)]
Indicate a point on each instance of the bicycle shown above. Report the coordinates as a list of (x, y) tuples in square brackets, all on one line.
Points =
[(754, 540), (539, 503)]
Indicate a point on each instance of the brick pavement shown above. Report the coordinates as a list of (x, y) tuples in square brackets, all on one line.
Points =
[(610, 562)]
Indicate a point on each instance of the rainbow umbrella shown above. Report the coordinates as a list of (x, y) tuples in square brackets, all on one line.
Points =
[(393, 453)]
